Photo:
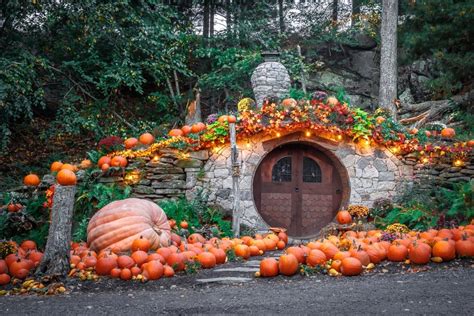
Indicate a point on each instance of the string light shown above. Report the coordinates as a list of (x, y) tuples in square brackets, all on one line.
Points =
[(458, 163), (278, 134), (425, 160), (339, 137), (308, 133), (156, 158)]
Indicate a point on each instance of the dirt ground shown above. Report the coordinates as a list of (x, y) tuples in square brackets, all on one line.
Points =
[(392, 289)]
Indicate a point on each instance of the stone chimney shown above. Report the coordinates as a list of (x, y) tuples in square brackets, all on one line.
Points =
[(270, 78)]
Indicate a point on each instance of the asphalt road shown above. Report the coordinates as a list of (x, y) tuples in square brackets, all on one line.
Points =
[(441, 291)]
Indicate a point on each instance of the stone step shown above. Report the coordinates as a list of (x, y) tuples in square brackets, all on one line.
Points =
[(225, 280), (237, 269)]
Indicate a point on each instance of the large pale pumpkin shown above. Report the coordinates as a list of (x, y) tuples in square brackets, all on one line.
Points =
[(119, 223)]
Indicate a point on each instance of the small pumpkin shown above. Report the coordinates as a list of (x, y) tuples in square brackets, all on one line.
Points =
[(146, 139), (219, 254), (85, 164), (242, 251), (184, 224), (126, 274), (231, 119), (268, 267), (153, 270), (379, 120), (66, 177), (444, 249), (175, 132), (316, 257), (3, 266), (448, 132), (56, 166), (289, 102), (207, 260), (176, 261), (419, 253), (4, 279), (222, 118), (68, 166), (198, 127), (298, 253), (119, 161), (332, 101), (31, 180), (397, 252), (186, 129), (288, 264), (464, 247), (141, 244), (195, 238), (28, 245), (343, 217), (470, 143), (139, 257), (168, 271), (130, 143), (351, 266), (104, 160), (115, 273), (125, 261)]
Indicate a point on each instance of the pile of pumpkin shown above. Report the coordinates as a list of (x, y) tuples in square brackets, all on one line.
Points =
[(21, 262), (144, 264), (352, 252)]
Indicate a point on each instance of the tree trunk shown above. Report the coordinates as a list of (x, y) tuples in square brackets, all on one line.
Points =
[(228, 18), (205, 20), (55, 261), (236, 212), (211, 18), (388, 57), (335, 5), (281, 16)]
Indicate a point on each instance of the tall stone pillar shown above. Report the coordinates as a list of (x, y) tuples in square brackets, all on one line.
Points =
[(270, 78)]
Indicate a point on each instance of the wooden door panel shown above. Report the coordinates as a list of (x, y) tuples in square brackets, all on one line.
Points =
[(276, 207)]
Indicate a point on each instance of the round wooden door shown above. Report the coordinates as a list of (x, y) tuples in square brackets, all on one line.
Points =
[(298, 188)]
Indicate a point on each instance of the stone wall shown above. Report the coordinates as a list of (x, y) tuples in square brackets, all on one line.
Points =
[(270, 79), (372, 174)]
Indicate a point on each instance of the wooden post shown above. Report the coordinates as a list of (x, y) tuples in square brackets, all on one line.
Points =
[(235, 181), (55, 261), (302, 74)]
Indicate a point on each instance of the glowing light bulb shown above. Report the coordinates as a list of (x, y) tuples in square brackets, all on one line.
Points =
[(278, 134), (339, 137), (249, 145), (308, 133), (425, 160), (458, 162), (155, 158)]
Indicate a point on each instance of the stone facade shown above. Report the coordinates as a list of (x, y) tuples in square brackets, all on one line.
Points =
[(369, 173), (270, 79)]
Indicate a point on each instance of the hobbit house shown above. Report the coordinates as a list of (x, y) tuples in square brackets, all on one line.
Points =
[(296, 165)]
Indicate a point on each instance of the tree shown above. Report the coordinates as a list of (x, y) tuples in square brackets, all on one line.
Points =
[(388, 56), (281, 16), (335, 8), (55, 261)]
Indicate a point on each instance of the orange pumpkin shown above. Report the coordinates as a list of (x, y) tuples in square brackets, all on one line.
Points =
[(153, 270), (242, 251), (288, 264), (464, 247), (141, 244), (104, 160), (281, 245), (105, 167), (125, 261), (28, 245), (146, 139), (316, 257), (105, 264), (336, 265), (207, 260), (196, 238), (270, 244), (119, 223), (115, 273), (126, 274), (444, 249), (119, 161), (397, 252), (419, 253), (222, 118), (254, 251), (219, 254), (176, 261), (298, 253), (4, 279), (268, 267), (413, 131), (3, 266), (351, 266), (130, 142), (231, 119), (448, 132), (361, 255), (56, 166), (198, 127), (139, 257), (470, 143), (168, 271), (68, 166), (329, 250), (343, 217), (66, 177), (184, 224), (85, 164), (289, 102), (31, 180), (175, 132)]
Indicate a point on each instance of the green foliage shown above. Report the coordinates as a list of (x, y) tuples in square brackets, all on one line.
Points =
[(362, 124), (441, 30), (424, 205), (197, 213), (216, 131)]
